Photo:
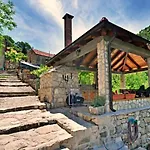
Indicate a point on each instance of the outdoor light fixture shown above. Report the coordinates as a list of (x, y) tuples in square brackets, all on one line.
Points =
[(78, 51), (67, 77)]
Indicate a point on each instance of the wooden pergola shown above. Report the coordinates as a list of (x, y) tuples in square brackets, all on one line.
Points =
[(106, 48)]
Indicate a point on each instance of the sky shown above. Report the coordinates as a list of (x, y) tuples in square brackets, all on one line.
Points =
[(40, 23)]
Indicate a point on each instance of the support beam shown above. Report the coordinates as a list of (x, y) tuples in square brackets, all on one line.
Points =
[(127, 47), (91, 60), (90, 46), (122, 81)]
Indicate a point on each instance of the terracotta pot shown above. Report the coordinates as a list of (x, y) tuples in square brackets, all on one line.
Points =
[(118, 96), (97, 110), (129, 96)]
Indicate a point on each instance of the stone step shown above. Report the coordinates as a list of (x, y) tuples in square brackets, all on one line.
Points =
[(46, 137), (13, 84), (16, 91), (24, 120), (8, 80), (8, 104)]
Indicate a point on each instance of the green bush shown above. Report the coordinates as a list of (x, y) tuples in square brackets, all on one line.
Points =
[(41, 70), (98, 101)]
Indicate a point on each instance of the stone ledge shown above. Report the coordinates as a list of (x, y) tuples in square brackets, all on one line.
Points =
[(47, 137)]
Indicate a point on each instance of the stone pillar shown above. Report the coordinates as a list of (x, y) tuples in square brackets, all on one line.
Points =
[(148, 63), (122, 81), (103, 71)]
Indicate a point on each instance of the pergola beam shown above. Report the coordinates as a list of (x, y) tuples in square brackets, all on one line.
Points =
[(128, 47), (90, 46)]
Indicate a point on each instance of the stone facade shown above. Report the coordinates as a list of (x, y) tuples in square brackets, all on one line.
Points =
[(115, 125), (131, 104), (55, 85)]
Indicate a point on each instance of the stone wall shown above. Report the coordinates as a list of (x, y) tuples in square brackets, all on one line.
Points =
[(55, 85), (131, 103), (27, 77), (115, 125)]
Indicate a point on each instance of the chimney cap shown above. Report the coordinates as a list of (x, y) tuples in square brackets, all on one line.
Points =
[(68, 16)]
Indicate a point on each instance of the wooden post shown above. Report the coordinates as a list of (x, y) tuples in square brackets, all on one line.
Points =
[(122, 81)]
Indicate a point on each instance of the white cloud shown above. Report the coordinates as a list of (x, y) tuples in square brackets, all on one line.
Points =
[(45, 37), (49, 9), (75, 3)]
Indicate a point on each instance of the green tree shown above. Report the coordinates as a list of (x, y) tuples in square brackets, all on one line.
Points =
[(6, 19), (6, 16), (14, 56), (23, 46), (115, 82), (86, 78), (145, 33)]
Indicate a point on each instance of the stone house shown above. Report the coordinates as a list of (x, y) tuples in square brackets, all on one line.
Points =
[(37, 57)]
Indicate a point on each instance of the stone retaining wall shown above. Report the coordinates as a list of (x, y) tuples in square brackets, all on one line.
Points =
[(130, 104), (27, 77), (115, 125), (55, 85)]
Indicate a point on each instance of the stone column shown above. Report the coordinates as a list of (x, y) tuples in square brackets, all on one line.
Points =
[(122, 81), (148, 63), (103, 71)]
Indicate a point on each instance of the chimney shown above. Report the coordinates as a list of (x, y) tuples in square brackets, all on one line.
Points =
[(68, 29)]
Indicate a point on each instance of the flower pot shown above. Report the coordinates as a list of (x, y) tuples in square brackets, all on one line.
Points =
[(129, 96), (97, 110), (118, 96)]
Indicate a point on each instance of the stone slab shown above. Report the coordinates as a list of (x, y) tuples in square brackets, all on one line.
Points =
[(23, 120), (8, 104), (47, 137), (13, 84)]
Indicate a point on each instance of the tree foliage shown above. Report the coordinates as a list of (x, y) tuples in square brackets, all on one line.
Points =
[(6, 16), (145, 33), (23, 46), (86, 78), (14, 56)]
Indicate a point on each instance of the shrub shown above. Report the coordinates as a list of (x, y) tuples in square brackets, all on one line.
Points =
[(98, 101), (41, 70)]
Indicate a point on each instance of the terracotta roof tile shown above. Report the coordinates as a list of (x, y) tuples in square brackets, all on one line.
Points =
[(42, 53)]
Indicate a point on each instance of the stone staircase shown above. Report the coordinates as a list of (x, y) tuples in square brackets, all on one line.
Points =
[(25, 123)]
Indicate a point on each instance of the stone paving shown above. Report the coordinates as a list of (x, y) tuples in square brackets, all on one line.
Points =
[(25, 123), (13, 84), (8, 104), (46, 137)]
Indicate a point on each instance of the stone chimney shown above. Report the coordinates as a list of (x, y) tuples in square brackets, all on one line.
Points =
[(68, 29)]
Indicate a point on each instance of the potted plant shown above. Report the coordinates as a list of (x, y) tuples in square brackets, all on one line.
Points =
[(97, 106)]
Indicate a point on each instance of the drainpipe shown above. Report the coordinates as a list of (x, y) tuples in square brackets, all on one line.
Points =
[(110, 74)]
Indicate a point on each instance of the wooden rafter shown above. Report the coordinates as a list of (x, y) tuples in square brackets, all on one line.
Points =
[(116, 62), (120, 66), (115, 55), (128, 66), (91, 60), (133, 61)]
